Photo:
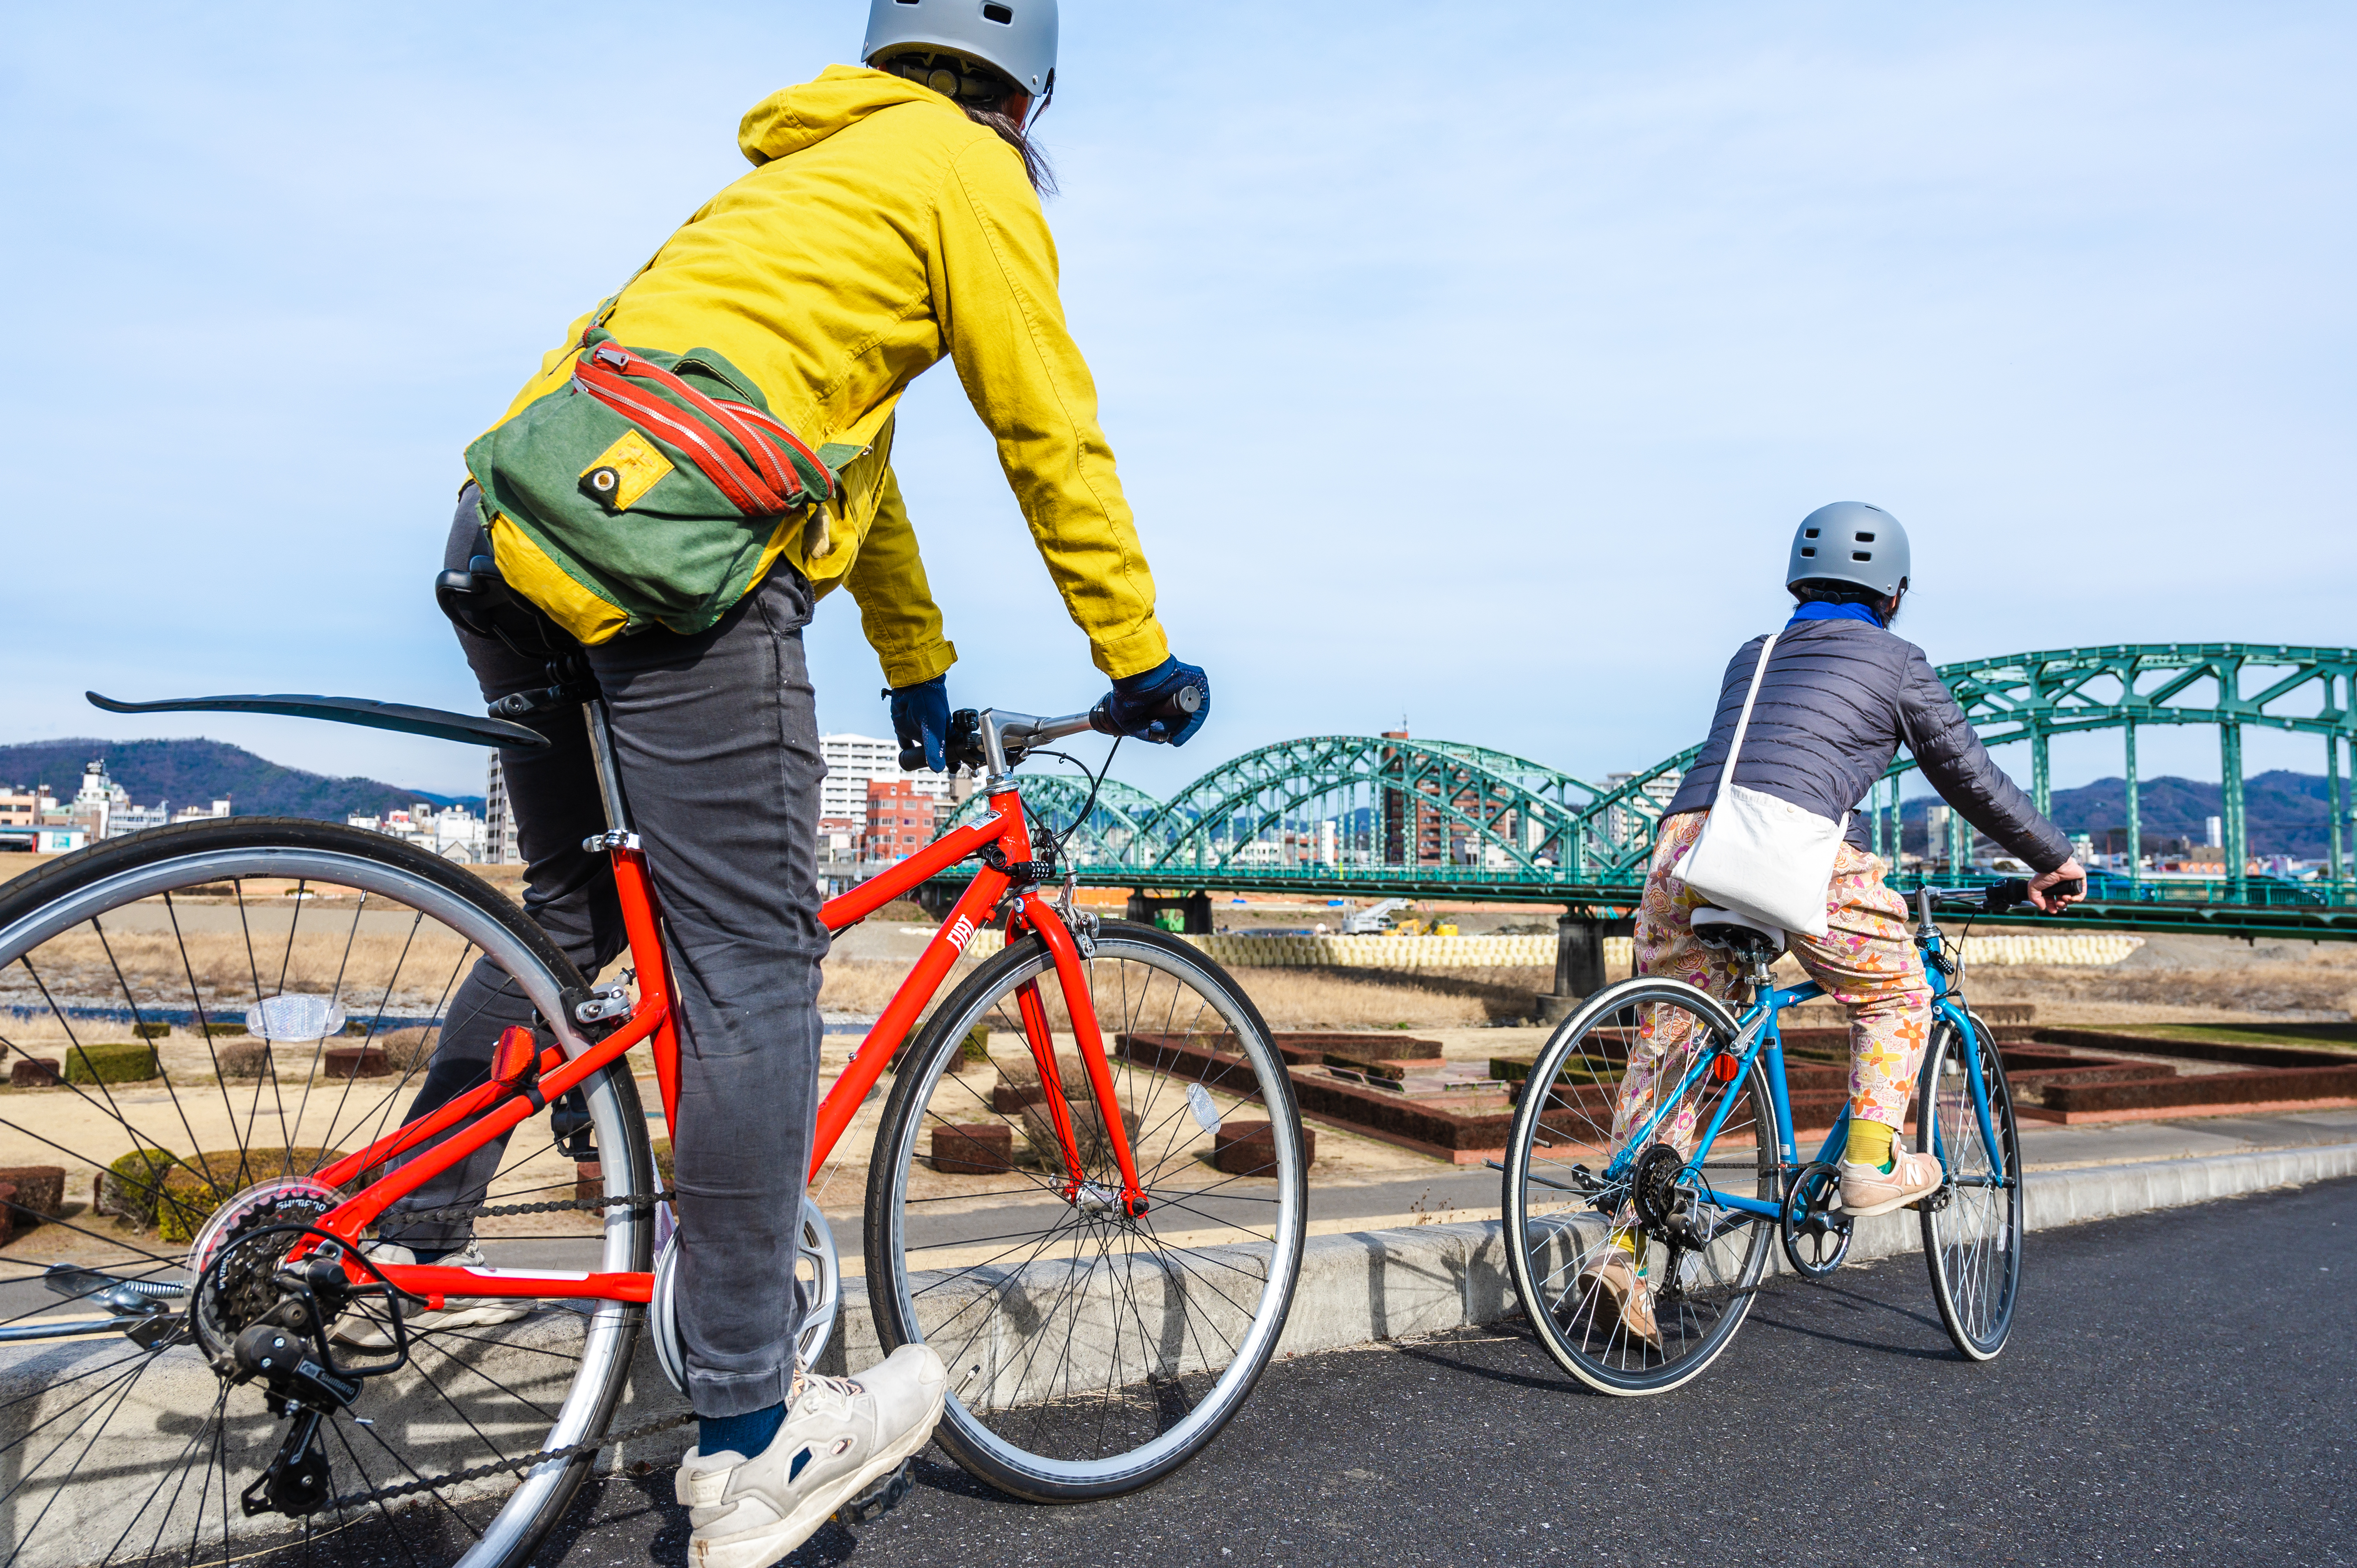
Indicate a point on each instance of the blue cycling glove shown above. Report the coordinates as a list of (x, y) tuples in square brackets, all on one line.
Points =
[(921, 722), (1144, 705)]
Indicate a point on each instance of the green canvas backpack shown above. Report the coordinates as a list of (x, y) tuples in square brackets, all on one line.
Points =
[(651, 489)]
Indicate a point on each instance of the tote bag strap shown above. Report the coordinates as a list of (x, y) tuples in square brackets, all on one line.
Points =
[(1743, 722)]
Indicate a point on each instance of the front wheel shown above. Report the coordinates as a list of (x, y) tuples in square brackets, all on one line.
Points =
[(1090, 1353), (1972, 1227)]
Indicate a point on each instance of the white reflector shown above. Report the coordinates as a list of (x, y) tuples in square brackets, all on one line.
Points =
[(294, 1018), (1198, 1100)]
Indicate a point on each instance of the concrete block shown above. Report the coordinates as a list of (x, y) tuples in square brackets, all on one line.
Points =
[(982, 1148), (40, 1192), (1247, 1148), (354, 1061)]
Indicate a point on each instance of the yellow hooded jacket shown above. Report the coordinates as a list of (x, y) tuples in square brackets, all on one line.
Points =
[(879, 230)]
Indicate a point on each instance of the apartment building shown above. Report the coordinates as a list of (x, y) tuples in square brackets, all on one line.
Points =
[(901, 818), (854, 761)]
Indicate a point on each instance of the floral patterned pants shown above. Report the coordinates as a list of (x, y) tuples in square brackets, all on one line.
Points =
[(1866, 960)]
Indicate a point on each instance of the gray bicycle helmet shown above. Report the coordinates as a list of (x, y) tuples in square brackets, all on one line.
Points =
[(1850, 541), (1017, 37)]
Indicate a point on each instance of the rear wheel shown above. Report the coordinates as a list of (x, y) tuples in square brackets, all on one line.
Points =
[(149, 959), (1604, 1175), (1972, 1227), (1090, 1353)]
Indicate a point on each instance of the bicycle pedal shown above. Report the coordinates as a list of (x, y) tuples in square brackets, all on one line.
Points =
[(885, 1494)]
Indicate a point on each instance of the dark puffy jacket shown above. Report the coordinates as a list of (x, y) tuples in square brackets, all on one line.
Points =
[(1839, 699)]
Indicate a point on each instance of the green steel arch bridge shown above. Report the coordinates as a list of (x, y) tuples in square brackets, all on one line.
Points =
[(1395, 816)]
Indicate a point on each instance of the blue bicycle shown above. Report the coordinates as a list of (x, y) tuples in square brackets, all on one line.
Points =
[(1642, 1203)]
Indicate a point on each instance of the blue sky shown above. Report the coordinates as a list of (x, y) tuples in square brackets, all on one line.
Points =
[(1468, 365)]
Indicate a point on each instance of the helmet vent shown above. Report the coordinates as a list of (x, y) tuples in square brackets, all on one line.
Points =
[(1003, 15), (1861, 554), (1808, 552), (1808, 533), (1865, 539)]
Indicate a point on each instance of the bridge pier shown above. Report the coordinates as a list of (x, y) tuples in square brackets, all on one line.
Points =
[(1580, 936), (1195, 909)]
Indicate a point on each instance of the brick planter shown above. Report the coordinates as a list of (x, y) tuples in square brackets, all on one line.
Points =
[(7, 1213), (982, 1149), (355, 1061), (34, 1072), (40, 1193), (589, 1181), (1249, 1148)]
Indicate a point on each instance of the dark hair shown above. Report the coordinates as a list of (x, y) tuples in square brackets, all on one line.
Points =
[(1035, 162), (1825, 591)]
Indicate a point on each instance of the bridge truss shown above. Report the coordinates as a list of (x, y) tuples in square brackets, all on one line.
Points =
[(1391, 815)]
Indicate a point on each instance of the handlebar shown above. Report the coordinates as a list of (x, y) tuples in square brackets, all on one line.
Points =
[(993, 742), (1998, 898)]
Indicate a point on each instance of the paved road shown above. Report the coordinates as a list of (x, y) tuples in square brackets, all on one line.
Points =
[(2181, 1387)]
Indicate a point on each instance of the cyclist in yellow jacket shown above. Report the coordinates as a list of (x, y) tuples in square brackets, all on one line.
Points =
[(891, 219)]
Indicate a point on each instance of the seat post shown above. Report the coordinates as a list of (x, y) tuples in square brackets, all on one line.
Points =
[(609, 776)]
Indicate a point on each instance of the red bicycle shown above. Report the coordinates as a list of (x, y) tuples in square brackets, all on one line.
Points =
[(1098, 1234)]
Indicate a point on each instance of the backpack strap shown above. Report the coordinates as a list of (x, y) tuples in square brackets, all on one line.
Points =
[(1743, 722)]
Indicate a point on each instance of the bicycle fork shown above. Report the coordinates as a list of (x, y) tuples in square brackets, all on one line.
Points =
[(1040, 916)]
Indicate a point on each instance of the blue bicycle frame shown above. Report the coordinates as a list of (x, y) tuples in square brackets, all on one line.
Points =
[(1760, 1031)]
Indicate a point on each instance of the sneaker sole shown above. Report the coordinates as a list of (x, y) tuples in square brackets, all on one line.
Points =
[(760, 1548), (1904, 1201)]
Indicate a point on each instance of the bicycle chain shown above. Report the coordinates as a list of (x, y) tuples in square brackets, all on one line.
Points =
[(552, 1205), (519, 1466)]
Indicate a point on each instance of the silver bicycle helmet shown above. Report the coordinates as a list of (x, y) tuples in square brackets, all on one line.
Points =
[(1850, 541), (1017, 37)]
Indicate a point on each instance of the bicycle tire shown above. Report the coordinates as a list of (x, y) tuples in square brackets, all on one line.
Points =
[(119, 897), (1548, 1244), (1192, 1375), (1973, 1235)]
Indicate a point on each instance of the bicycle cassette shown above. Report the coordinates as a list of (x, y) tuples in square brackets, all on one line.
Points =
[(241, 1289)]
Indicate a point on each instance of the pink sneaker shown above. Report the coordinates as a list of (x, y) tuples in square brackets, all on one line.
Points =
[(1868, 1190), (1612, 1287)]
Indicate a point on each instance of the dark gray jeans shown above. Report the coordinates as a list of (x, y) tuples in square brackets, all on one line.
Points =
[(716, 740)]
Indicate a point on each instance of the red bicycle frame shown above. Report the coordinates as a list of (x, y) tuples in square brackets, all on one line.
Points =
[(495, 1108)]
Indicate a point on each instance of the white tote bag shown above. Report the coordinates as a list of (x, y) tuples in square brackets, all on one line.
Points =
[(1761, 857)]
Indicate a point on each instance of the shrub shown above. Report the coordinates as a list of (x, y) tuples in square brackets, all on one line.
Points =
[(243, 1059), (977, 1044), (155, 1031), (218, 1029), (129, 1061), (407, 1049), (131, 1186), (188, 1198)]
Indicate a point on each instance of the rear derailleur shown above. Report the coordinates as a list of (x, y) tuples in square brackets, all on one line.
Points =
[(286, 1350)]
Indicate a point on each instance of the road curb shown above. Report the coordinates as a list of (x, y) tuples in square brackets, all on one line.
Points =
[(1354, 1289), (1391, 1285)]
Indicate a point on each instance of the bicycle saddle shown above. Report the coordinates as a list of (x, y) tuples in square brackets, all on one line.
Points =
[(1746, 938)]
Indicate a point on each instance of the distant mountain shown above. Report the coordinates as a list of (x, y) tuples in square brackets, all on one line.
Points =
[(2284, 813), (197, 772)]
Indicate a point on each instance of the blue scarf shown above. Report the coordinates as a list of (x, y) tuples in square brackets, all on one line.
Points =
[(1834, 612)]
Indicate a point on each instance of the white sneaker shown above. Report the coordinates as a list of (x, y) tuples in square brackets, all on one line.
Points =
[(368, 1330), (841, 1435)]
